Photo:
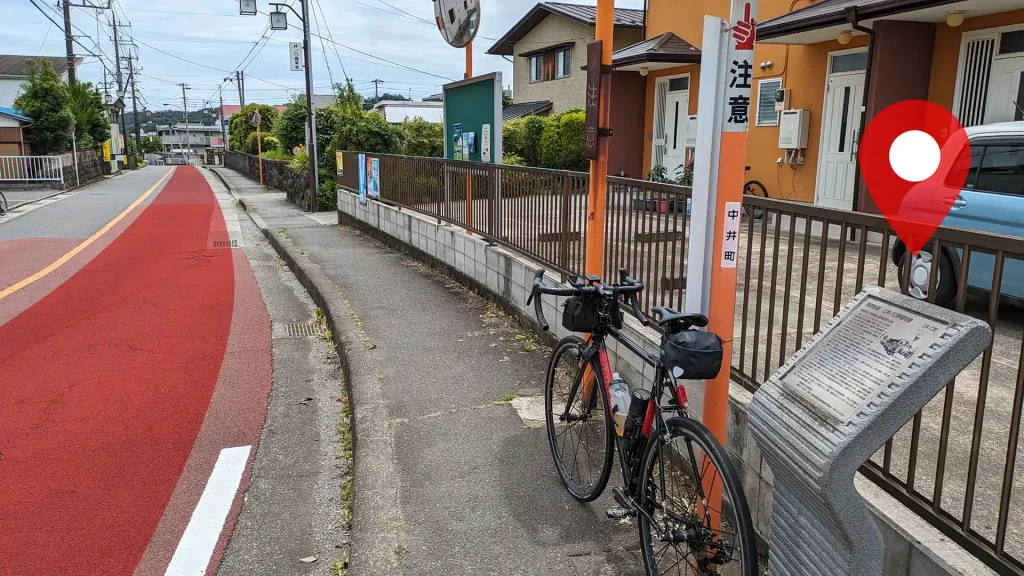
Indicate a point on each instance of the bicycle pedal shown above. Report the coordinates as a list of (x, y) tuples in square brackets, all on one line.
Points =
[(618, 513)]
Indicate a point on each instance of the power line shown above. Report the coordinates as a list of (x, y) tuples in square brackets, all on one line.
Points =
[(331, 36), (327, 63)]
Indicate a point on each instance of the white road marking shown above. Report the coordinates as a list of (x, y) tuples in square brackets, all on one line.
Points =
[(23, 209), (200, 538)]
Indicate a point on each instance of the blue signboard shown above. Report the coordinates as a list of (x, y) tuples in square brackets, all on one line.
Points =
[(362, 178)]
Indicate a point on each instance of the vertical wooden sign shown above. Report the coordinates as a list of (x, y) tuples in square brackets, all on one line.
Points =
[(593, 106)]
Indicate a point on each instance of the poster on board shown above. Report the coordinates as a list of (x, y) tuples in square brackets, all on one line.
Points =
[(373, 177), (362, 178), (339, 158), (457, 142)]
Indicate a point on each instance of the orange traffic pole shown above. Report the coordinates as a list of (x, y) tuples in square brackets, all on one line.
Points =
[(598, 194), (469, 175)]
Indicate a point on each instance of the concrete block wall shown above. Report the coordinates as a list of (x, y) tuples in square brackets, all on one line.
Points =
[(913, 548)]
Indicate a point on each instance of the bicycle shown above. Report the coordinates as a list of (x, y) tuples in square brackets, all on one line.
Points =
[(3, 204), (754, 188), (658, 443)]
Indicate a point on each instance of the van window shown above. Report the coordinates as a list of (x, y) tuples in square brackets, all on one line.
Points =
[(1002, 170)]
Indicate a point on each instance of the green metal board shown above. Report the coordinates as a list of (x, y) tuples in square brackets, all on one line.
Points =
[(473, 107)]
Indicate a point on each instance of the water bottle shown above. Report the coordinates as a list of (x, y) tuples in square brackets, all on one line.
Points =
[(619, 392)]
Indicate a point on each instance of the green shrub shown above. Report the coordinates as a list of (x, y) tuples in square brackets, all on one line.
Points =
[(271, 144), (510, 159), (278, 155), (550, 155), (300, 162), (572, 127), (513, 136), (327, 195), (533, 130), (421, 138), (290, 127), (268, 143), (240, 129)]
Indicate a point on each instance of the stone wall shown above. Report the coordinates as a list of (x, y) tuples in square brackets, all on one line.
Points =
[(90, 167), (276, 174), (912, 548)]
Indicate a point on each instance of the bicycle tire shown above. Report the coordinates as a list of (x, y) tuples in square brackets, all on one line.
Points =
[(755, 188), (3, 204), (559, 441), (694, 432)]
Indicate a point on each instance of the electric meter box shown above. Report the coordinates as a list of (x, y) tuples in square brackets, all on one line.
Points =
[(690, 141), (793, 126)]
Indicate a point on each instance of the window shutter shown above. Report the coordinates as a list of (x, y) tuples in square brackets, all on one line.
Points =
[(976, 67), (766, 114)]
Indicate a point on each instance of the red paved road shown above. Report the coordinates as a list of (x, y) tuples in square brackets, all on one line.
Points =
[(106, 383)]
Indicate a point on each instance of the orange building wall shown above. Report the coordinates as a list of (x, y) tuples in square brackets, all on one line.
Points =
[(947, 52)]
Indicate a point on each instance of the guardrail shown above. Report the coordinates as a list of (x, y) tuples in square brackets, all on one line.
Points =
[(954, 464), (31, 169)]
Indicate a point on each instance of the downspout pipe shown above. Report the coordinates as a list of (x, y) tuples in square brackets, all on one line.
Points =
[(853, 18)]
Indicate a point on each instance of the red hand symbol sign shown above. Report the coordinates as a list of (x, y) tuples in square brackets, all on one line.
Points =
[(744, 30)]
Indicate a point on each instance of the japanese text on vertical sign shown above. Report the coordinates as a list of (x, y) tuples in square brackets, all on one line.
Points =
[(592, 131), (731, 234), (739, 76)]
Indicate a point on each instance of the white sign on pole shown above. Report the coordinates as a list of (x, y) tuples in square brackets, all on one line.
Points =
[(295, 51), (485, 143), (731, 234)]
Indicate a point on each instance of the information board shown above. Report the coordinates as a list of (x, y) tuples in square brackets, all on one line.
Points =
[(469, 106), (863, 353)]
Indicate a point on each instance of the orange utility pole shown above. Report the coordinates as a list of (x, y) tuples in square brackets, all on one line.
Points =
[(596, 201), (736, 71), (469, 176)]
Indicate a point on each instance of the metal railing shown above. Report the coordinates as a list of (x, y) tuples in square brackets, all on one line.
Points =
[(954, 464), (31, 169)]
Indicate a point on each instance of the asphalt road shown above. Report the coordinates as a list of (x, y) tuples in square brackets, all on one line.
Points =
[(136, 352)]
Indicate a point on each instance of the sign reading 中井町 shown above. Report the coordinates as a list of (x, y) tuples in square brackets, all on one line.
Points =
[(592, 130), (731, 234), (295, 55), (740, 71)]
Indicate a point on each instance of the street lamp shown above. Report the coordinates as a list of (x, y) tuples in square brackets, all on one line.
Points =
[(247, 7), (278, 20)]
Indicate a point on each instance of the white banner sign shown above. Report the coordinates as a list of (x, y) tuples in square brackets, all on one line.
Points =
[(295, 51), (485, 143), (731, 234), (740, 67)]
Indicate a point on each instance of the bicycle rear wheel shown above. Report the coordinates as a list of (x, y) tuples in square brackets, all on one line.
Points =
[(683, 539), (3, 204), (581, 443), (755, 188)]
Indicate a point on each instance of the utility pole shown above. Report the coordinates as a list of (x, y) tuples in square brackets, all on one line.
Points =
[(223, 128), (69, 44), (120, 88), (241, 85), (376, 88), (314, 177), (135, 109), (188, 137)]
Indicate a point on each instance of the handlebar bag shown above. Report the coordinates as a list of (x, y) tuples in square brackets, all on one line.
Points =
[(698, 354), (581, 314)]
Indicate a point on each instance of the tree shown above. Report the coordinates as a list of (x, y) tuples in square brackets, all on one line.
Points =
[(506, 99), (421, 138), (91, 125), (46, 100), (152, 145), (290, 127), (240, 128), (369, 102)]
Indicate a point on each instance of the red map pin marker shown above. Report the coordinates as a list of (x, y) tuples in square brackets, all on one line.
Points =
[(915, 157)]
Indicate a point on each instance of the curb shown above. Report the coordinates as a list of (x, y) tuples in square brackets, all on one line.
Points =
[(318, 286)]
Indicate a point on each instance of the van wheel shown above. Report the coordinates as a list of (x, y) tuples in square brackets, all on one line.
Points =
[(920, 276)]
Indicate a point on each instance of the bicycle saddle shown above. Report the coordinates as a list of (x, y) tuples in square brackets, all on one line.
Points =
[(668, 316)]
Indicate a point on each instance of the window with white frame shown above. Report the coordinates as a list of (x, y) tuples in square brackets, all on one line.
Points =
[(766, 113), (536, 68), (563, 63)]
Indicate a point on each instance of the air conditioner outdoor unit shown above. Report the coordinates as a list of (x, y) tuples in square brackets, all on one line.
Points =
[(793, 126), (690, 141)]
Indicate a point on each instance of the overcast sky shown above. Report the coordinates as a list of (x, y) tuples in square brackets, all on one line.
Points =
[(212, 35)]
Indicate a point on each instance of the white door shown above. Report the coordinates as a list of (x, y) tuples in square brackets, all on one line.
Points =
[(1006, 94), (677, 111), (837, 162)]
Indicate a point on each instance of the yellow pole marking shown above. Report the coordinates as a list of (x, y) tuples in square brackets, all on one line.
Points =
[(74, 251)]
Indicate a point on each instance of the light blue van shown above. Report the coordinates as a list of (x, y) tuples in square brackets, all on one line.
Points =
[(992, 200)]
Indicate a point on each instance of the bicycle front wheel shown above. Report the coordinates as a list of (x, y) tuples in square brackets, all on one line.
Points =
[(679, 534), (581, 439), (3, 204)]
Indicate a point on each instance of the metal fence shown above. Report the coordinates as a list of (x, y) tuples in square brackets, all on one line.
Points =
[(31, 169), (954, 464)]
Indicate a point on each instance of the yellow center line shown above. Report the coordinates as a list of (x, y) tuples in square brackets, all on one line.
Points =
[(74, 251)]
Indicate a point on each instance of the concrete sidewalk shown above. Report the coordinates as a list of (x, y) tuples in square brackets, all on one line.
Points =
[(449, 477)]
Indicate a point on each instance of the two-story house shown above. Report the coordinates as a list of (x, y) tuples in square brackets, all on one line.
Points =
[(204, 142), (548, 47), (966, 56), (14, 73)]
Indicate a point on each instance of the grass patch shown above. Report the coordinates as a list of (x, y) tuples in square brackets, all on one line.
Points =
[(506, 400)]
